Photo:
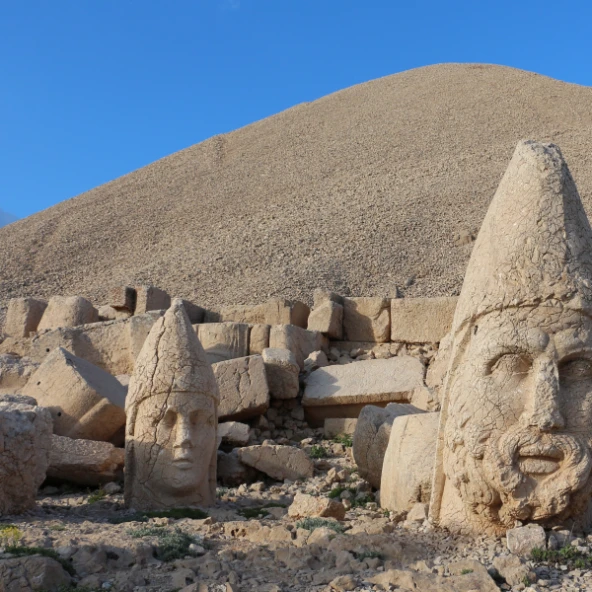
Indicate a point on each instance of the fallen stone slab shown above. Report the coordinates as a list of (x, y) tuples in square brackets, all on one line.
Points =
[(371, 438), (233, 433), (335, 426), (305, 505), (32, 573), (85, 402), (282, 373), (151, 298), (25, 433), (366, 319), (67, 311), (224, 341), (85, 462), (23, 316), (327, 319), (15, 372), (242, 383), (278, 462), (299, 341), (343, 390), (421, 320), (409, 459)]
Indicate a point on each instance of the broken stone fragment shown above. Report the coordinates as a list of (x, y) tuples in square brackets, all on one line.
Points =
[(15, 372), (242, 383), (327, 319), (366, 319), (67, 311), (523, 539), (224, 341), (258, 338), (334, 426), (421, 320), (23, 316), (305, 505), (108, 313), (279, 462), (299, 341), (371, 438), (282, 373), (151, 298), (32, 573), (85, 402), (25, 441), (122, 298), (233, 433), (85, 462)]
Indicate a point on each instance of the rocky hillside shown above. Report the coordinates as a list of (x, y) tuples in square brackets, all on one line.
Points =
[(370, 189), (6, 218)]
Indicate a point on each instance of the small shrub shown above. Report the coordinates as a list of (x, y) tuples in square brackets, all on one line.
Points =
[(368, 554), (346, 440), (23, 551), (571, 556), (173, 545), (10, 535), (57, 527), (526, 581), (361, 501), (336, 492), (312, 523), (464, 572), (259, 511), (145, 531), (317, 451), (97, 496), (133, 517)]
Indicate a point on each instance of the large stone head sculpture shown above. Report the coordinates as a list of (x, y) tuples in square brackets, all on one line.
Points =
[(172, 417), (515, 432)]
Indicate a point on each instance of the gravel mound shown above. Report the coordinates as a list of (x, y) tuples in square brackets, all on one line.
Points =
[(372, 189)]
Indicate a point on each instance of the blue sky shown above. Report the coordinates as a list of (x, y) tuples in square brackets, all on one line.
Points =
[(92, 90)]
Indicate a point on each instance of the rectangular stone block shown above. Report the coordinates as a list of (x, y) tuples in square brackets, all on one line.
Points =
[(151, 298), (421, 320), (122, 298), (299, 341), (243, 388), (258, 339), (275, 312), (23, 316), (366, 319), (224, 341), (328, 319)]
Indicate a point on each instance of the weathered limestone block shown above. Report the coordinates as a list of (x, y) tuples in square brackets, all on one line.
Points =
[(23, 316), (366, 319), (150, 298), (335, 426), (233, 433), (516, 427), (279, 462), (522, 540), (25, 432), (258, 338), (85, 402), (123, 298), (172, 419), (299, 341), (327, 319), (32, 573), (305, 505), (320, 296), (409, 461), (243, 388), (224, 341), (85, 462), (112, 346), (195, 313), (15, 373), (371, 438), (108, 313), (421, 320), (67, 311), (238, 313), (274, 312), (342, 391), (282, 373)]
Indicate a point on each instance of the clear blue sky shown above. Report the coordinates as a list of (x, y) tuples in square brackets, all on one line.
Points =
[(93, 89)]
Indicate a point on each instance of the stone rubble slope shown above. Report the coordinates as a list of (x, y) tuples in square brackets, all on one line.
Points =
[(377, 187)]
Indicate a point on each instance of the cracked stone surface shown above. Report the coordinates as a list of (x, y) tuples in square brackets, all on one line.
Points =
[(515, 434), (172, 418), (279, 462)]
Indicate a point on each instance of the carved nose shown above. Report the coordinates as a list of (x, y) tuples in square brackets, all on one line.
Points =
[(183, 434), (543, 409)]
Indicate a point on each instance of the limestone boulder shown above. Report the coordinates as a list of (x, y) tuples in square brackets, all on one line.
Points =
[(32, 573), (282, 373), (366, 319), (258, 338), (25, 442), (15, 372), (327, 319), (244, 392), (409, 462), (342, 391), (231, 472), (151, 298), (224, 341), (67, 311), (421, 320), (299, 341), (85, 462), (371, 438), (233, 433), (278, 462), (305, 505), (85, 402), (320, 296), (335, 426), (523, 539), (108, 313), (23, 316)]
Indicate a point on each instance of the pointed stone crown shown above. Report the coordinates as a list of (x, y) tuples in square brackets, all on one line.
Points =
[(535, 244), (172, 359)]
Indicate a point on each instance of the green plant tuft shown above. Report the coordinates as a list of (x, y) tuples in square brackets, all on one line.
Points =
[(317, 451), (368, 554), (312, 523), (464, 572), (172, 544), (346, 440), (259, 511), (97, 496), (336, 492)]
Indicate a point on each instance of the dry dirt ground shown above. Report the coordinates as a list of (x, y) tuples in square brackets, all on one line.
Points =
[(363, 191)]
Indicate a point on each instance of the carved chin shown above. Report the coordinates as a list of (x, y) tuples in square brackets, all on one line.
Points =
[(522, 474)]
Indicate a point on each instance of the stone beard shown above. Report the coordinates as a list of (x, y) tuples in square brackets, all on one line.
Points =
[(518, 440)]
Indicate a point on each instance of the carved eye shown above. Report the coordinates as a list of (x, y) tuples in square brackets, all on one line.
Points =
[(578, 369), (169, 419), (510, 364)]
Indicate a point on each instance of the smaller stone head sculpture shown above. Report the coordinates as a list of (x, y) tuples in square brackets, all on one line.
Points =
[(172, 419), (516, 427)]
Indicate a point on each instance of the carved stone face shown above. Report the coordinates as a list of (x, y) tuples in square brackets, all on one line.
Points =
[(184, 436), (517, 445)]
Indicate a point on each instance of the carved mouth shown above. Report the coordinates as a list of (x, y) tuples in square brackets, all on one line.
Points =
[(540, 459), (183, 463)]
